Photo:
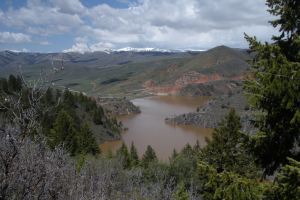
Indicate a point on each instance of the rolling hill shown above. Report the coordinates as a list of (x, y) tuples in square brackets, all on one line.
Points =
[(130, 73)]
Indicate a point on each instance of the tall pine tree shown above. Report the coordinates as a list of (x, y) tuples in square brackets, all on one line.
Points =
[(275, 88), (227, 151), (124, 156), (149, 156), (64, 132), (86, 142), (134, 155)]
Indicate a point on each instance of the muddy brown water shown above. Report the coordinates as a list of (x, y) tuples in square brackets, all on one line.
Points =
[(149, 127)]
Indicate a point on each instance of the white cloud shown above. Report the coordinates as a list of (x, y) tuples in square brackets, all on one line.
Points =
[(69, 6), (81, 46), (180, 23), (41, 19), (172, 24), (9, 37), (24, 50)]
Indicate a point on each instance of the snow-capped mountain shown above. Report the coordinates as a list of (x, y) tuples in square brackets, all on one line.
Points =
[(148, 49)]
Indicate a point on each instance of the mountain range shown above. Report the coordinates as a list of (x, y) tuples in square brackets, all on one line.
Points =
[(132, 72)]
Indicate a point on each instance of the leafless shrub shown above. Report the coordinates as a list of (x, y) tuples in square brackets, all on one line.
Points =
[(29, 170)]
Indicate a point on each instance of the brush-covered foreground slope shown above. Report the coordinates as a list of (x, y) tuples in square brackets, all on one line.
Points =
[(132, 73)]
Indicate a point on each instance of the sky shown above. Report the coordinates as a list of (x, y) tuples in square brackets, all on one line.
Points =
[(96, 25)]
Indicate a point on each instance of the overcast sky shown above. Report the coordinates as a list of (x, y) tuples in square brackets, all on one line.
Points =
[(91, 25)]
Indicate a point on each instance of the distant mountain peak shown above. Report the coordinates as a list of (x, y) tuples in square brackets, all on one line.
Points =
[(147, 49), (221, 47)]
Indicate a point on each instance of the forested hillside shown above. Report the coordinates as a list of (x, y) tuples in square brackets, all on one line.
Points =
[(67, 118)]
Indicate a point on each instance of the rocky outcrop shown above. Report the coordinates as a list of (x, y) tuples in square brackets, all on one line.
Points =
[(118, 106), (214, 88), (196, 77), (191, 78), (212, 113)]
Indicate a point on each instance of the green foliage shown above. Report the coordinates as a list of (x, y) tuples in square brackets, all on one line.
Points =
[(89, 105), (197, 146), (69, 98), (124, 156), (80, 160), (287, 183), (3, 86), (134, 155), (174, 155), (98, 115), (275, 88), (77, 140), (183, 165), (181, 193), (226, 150), (149, 156), (64, 132), (86, 142), (288, 24), (81, 110), (49, 99), (11, 85), (155, 172), (14, 83), (228, 185)]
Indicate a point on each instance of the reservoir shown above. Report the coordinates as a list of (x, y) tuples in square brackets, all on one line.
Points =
[(149, 127)]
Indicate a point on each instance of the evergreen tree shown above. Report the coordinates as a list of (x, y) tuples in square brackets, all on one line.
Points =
[(287, 183), (12, 83), (187, 150), (123, 154), (69, 98), (3, 85), (98, 116), (226, 150), (174, 154), (64, 132), (90, 105), (181, 193), (183, 165), (228, 185), (275, 88), (197, 147), (86, 142), (134, 155), (149, 156)]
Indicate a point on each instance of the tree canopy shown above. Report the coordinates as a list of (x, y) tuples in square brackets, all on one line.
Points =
[(274, 88)]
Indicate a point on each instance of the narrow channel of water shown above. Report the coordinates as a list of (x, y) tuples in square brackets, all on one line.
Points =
[(149, 127)]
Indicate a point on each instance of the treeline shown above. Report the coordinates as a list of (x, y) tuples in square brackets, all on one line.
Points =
[(225, 168), (62, 116)]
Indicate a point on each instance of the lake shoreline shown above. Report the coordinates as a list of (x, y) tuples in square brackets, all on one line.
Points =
[(149, 127)]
